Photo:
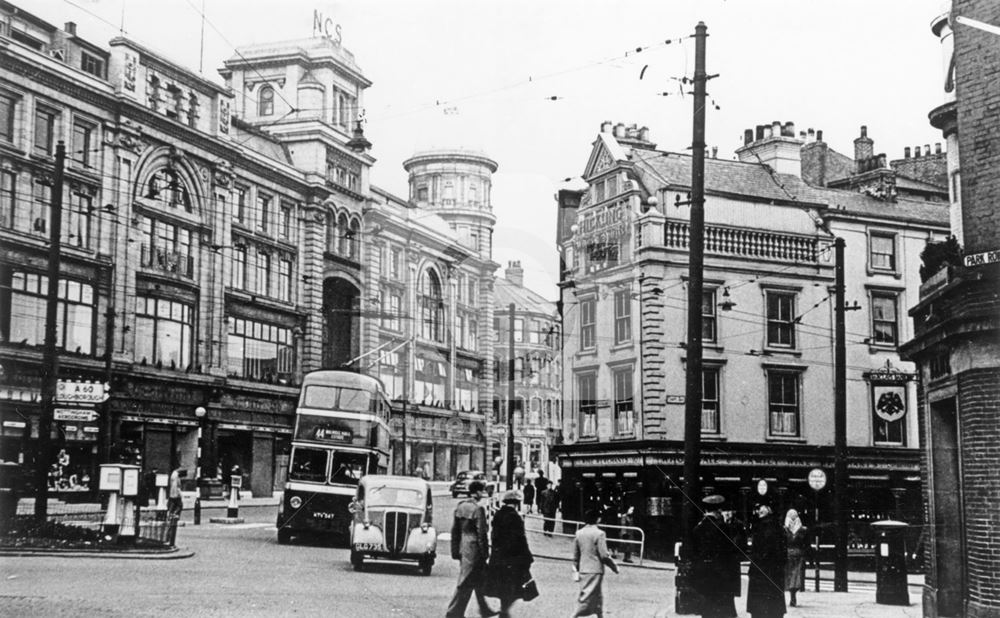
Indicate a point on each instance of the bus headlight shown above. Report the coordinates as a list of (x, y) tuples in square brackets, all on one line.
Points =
[(424, 526), (295, 502), (367, 524)]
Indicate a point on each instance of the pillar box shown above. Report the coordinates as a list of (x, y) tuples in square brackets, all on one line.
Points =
[(890, 563)]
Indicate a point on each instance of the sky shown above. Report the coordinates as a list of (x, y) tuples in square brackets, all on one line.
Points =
[(529, 82)]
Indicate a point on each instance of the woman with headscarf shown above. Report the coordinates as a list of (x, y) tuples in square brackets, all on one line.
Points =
[(798, 544), (510, 557)]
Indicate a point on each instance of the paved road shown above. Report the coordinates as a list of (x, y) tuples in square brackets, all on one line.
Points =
[(240, 570)]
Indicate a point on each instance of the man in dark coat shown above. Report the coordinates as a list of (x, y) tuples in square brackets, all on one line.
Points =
[(766, 590), (511, 559), (710, 551), (737, 534), (470, 546), (548, 504)]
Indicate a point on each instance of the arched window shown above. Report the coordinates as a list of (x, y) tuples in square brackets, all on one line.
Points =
[(166, 186), (332, 233), (548, 413), (354, 239), (344, 229), (431, 306), (265, 102)]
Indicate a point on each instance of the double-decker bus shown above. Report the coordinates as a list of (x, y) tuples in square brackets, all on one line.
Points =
[(341, 434)]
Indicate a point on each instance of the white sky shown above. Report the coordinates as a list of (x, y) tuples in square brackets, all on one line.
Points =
[(479, 74)]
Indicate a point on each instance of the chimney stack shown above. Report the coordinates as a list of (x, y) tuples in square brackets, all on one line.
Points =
[(775, 145), (863, 148), (514, 273)]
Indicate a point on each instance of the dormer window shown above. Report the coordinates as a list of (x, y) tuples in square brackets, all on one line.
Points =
[(90, 63), (265, 104)]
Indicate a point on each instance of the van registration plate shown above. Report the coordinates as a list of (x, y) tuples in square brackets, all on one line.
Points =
[(367, 547)]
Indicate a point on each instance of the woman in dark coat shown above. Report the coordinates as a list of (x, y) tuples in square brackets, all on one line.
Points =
[(766, 590), (510, 557), (733, 581)]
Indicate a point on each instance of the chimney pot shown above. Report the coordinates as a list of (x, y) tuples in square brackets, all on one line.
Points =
[(747, 137), (927, 150), (606, 126), (760, 132), (776, 129), (916, 152), (70, 28), (620, 130), (789, 129), (864, 131), (644, 134), (715, 152), (937, 148), (768, 131), (819, 135), (811, 134), (906, 152), (802, 135)]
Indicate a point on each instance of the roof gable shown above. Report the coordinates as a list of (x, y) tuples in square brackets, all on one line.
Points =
[(605, 154)]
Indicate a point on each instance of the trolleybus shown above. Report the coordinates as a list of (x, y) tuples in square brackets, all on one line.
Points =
[(341, 434)]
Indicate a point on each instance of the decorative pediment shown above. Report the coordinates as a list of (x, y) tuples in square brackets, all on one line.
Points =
[(606, 154)]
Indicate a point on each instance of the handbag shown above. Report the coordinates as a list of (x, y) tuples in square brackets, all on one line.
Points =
[(529, 590)]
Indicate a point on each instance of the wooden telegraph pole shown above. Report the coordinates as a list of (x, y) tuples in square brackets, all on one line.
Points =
[(693, 393), (50, 356)]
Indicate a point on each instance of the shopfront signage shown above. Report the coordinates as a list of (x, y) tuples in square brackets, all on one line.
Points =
[(14, 424), (982, 259), (84, 415), (82, 391)]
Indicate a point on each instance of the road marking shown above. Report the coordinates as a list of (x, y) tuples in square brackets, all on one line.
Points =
[(245, 526), (444, 536)]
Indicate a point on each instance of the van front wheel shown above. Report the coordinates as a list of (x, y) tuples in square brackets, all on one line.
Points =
[(357, 561)]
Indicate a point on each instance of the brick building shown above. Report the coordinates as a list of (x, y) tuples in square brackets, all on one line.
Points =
[(956, 342)]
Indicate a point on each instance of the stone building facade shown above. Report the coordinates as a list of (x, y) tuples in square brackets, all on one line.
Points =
[(214, 246), (537, 374), (956, 339), (767, 328)]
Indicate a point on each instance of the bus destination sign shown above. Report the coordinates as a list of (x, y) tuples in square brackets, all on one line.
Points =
[(329, 434)]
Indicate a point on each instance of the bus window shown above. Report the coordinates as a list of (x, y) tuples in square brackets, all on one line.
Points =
[(308, 464), (355, 400), (348, 468)]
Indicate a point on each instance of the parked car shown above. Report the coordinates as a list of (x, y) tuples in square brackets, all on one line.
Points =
[(393, 521), (461, 484)]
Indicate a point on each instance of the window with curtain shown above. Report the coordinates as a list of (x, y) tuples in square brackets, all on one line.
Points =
[(624, 402), (708, 318), (586, 386), (884, 322), (710, 408), (783, 403), (431, 307)]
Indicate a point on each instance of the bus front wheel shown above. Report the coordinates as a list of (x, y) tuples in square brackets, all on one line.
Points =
[(357, 561)]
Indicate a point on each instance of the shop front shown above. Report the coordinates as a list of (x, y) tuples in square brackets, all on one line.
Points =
[(436, 444), (649, 477)]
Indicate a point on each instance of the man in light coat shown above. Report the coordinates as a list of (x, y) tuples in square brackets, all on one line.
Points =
[(470, 546), (590, 555)]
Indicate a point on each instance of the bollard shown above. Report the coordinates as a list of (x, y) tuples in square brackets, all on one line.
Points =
[(197, 511), (233, 510)]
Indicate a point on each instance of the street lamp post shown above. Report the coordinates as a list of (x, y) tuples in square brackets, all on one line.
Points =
[(200, 413)]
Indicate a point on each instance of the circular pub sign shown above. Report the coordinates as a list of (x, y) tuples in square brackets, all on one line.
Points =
[(817, 479), (762, 487)]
